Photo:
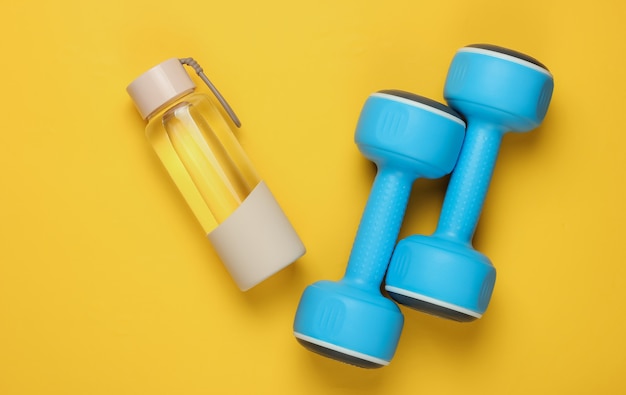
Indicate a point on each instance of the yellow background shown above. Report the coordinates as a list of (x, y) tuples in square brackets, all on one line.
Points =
[(108, 286)]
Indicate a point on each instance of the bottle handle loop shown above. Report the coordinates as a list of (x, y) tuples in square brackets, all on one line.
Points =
[(194, 65)]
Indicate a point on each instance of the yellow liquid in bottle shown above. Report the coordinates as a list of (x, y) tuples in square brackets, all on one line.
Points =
[(203, 157)]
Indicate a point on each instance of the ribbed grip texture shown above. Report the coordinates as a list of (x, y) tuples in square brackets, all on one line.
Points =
[(469, 183), (379, 228)]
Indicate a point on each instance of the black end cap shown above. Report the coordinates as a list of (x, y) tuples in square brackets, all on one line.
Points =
[(510, 52), (432, 309), (338, 356), (423, 100)]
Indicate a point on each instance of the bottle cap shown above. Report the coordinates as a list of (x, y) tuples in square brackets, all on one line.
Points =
[(257, 240), (160, 85)]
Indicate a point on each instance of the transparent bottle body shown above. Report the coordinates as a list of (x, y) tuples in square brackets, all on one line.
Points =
[(203, 157)]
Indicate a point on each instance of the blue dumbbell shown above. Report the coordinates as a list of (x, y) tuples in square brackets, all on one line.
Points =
[(407, 136), (496, 90)]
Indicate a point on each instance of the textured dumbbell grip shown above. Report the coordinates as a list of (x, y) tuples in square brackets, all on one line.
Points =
[(469, 183), (379, 228)]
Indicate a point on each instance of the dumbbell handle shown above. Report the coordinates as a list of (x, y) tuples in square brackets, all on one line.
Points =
[(379, 228), (469, 182)]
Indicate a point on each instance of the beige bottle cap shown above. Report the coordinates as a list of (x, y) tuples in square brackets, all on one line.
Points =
[(160, 85)]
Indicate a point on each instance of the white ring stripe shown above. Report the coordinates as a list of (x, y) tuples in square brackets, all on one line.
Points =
[(418, 105), (434, 301), (342, 350), (504, 56)]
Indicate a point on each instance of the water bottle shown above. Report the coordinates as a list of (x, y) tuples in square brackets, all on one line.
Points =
[(242, 219)]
